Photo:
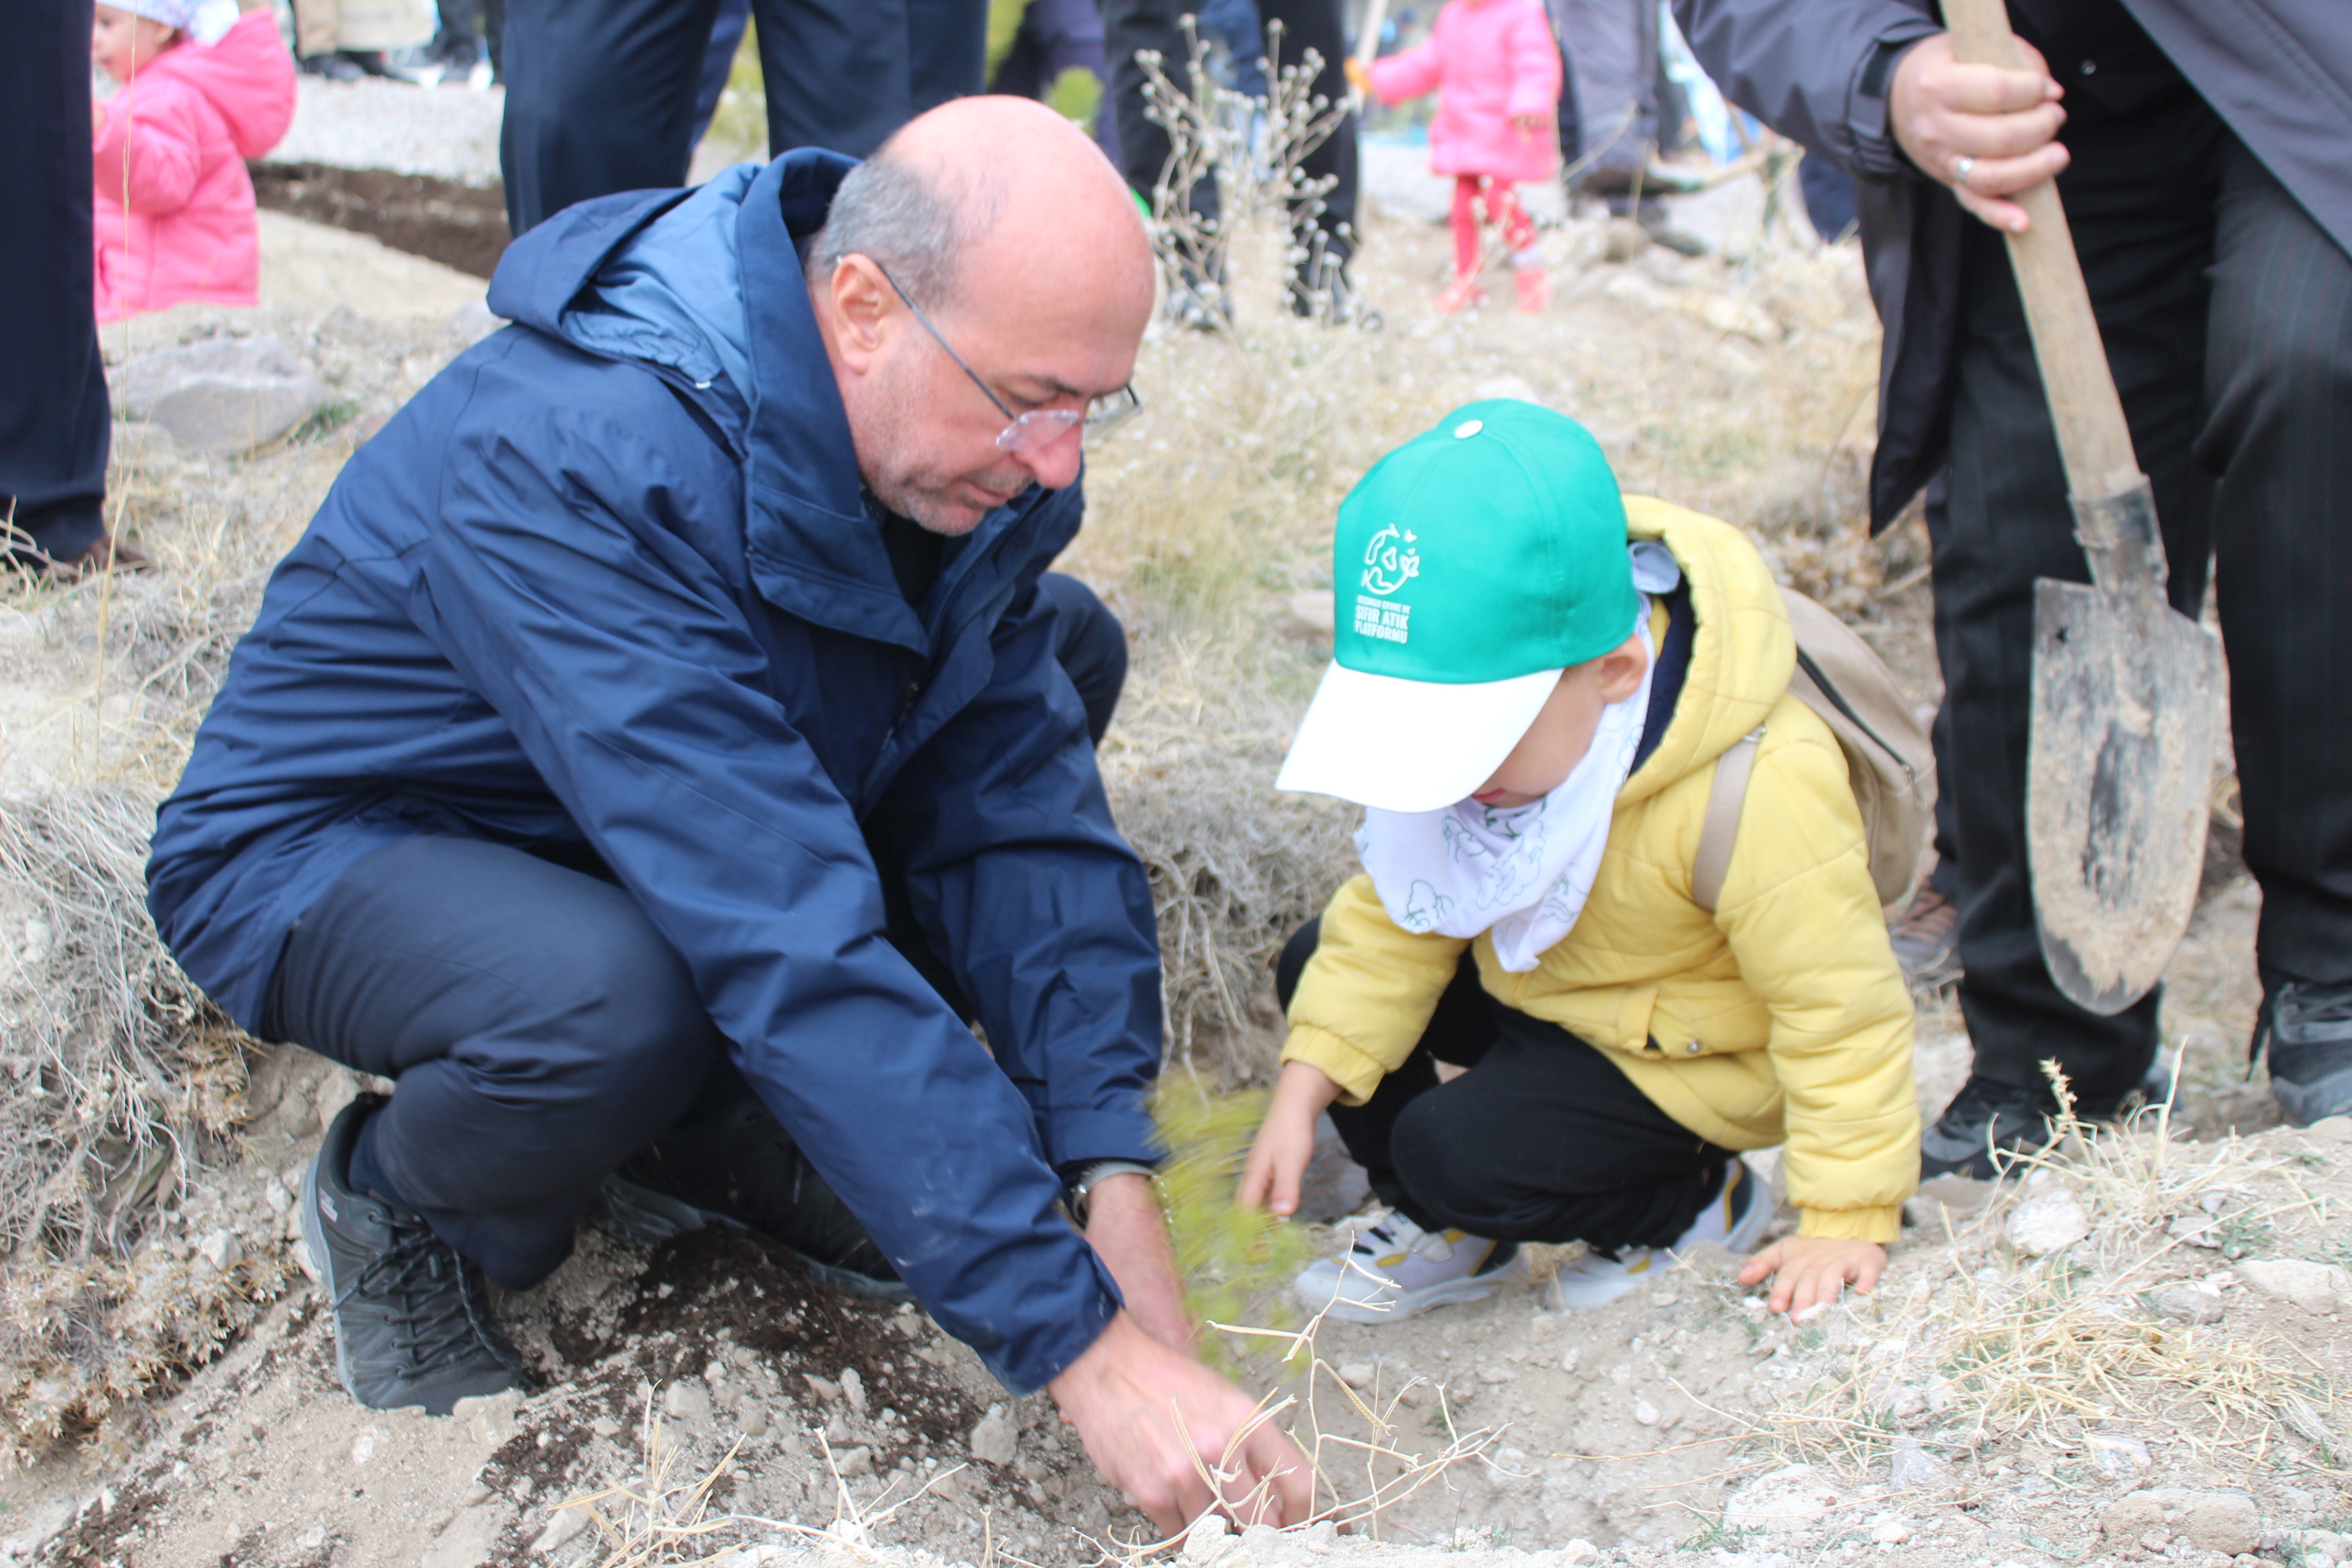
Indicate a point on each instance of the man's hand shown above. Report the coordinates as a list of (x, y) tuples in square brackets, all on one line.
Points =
[(1126, 1229), (1286, 1140), (1807, 1272), (1152, 1419), (1984, 131)]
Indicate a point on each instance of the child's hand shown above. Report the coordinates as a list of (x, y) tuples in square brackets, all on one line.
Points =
[(1810, 1271), (1286, 1140), (1357, 77), (96, 117), (1527, 125)]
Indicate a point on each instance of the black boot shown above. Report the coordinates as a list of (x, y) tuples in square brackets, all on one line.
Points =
[(741, 1169), (412, 1318), (2308, 1027)]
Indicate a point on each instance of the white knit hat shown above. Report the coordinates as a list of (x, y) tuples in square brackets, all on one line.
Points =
[(204, 20)]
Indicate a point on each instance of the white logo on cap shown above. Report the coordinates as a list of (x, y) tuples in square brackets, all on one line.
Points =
[(1389, 563)]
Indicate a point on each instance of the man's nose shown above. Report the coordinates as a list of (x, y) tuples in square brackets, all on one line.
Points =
[(1055, 464)]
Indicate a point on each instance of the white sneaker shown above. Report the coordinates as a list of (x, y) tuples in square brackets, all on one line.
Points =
[(1735, 1219), (1397, 1269)]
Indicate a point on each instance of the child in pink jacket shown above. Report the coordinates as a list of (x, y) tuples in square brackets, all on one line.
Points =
[(1495, 70), (203, 90)]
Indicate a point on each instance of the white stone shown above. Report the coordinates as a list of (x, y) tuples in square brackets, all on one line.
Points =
[(1577, 1552), (852, 1390), (994, 1437), (1356, 1373), (2223, 1522), (1796, 1498), (488, 1418), (2315, 1286), (2048, 1222), (1209, 1539), (1913, 1468), (1645, 1412), (222, 395), (222, 1250), (566, 1524), (688, 1399)]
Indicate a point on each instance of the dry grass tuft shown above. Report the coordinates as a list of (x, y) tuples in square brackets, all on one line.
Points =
[(1984, 1346)]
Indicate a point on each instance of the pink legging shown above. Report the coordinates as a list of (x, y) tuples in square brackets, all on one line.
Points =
[(1502, 210)]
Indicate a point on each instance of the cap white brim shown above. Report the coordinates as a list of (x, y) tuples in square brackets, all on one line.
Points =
[(1409, 745)]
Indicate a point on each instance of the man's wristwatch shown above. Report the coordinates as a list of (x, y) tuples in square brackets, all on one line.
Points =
[(1090, 1175)]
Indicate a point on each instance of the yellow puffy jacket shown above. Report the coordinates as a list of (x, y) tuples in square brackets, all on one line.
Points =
[(1782, 1016)]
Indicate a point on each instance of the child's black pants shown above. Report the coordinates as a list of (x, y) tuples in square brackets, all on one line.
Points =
[(1548, 1140)]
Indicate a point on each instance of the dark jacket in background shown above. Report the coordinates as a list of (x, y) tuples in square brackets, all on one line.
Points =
[(605, 590), (2279, 72)]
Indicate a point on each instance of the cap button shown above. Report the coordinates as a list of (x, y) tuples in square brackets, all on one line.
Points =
[(1468, 428)]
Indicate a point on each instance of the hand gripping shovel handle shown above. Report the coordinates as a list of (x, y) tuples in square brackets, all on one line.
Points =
[(2092, 438)]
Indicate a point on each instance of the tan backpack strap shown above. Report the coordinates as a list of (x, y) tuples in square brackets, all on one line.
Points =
[(1725, 796)]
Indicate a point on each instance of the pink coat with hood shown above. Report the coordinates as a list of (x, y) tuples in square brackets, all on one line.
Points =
[(1488, 61), (175, 142)]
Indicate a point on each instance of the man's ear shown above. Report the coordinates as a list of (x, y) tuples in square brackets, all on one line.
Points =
[(1621, 668), (862, 302)]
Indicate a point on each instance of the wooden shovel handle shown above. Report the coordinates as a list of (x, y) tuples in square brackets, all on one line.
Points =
[(2091, 435)]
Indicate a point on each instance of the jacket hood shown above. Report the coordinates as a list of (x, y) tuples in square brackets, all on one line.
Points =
[(245, 74), (705, 288), (1742, 652)]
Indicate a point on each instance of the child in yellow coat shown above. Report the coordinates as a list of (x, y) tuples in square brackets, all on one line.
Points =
[(1533, 680)]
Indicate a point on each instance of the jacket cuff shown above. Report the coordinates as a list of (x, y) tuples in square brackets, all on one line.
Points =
[(1081, 1138), (1875, 151), (1355, 1072), (1042, 1355), (1881, 1225)]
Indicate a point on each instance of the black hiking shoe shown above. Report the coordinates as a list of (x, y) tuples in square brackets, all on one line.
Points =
[(2308, 1027), (412, 1318), (1983, 1117), (741, 1170)]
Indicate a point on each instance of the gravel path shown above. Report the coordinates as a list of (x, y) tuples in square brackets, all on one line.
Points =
[(449, 132)]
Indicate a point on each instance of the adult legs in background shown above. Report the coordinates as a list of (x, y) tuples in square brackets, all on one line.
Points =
[(2278, 377), (1129, 25), (719, 62), (54, 425), (1544, 1140), (1090, 646), (1612, 48), (2139, 194), (844, 74), (599, 99)]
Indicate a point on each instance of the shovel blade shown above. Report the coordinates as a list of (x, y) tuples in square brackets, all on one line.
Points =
[(2118, 786)]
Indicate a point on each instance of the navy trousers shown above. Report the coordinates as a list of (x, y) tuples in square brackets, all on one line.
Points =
[(540, 1028), (601, 93), (54, 425), (2227, 314)]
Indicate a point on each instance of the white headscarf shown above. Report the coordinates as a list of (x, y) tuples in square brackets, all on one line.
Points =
[(1523, 873)]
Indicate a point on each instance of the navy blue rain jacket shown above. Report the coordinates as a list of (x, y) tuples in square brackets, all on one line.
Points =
[(608, 582)]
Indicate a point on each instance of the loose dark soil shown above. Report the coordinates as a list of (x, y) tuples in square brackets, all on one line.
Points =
[(463, 226)]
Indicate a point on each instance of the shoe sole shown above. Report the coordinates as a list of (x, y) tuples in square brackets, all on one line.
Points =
[(2304, 1104), (1412, 1303), (644, 1217), (1597, 1295), (317, 1262)]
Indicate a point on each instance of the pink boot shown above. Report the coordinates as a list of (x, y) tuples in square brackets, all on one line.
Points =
[(1535, 288), (1462, 294)]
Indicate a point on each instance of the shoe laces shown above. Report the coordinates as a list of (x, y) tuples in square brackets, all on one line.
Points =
[(440, 1313)]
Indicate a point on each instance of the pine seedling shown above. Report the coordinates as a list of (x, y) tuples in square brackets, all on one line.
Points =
[(1237, 1265)]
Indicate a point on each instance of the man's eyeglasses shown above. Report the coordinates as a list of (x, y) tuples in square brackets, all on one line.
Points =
[(1039, 427)]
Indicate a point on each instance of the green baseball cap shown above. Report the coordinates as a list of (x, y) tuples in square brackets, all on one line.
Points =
[(1470, 567)]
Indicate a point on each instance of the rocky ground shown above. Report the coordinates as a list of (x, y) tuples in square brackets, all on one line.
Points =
[(2129, 1354)]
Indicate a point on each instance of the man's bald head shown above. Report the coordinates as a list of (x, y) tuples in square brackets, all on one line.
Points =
[(980, 186), (1012, 233)]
